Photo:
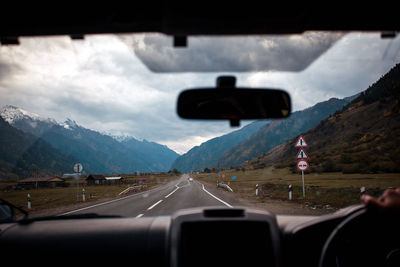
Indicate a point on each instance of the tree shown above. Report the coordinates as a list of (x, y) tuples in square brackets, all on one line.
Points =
[(176, 171), (329, 166)]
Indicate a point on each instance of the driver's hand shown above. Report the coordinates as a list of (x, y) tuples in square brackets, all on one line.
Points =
[(388, 202)]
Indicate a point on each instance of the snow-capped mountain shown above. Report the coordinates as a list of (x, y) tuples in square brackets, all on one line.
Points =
[(101, 153), (26, 121), (119, 138), (69, 124), (13, 114), (24, 155), (123, 137)]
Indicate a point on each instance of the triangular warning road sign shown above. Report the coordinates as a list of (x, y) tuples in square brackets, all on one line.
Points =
[(302, 154), (301, 142)]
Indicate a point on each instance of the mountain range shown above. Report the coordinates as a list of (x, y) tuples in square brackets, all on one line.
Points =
[(98, 153), (355, 134), (363, 137), (23, 154), (343, 134), (208, 153), (280, 131), (256, 138)]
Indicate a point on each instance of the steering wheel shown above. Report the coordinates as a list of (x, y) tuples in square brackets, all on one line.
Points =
[(364, 238)]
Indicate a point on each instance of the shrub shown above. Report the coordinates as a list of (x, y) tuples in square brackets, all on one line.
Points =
[(345, 158), (329, 166), (388, 166), (350, 168)]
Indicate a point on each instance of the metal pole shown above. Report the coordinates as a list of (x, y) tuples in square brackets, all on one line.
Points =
[(77, 187), (302, 177), (29, 202)]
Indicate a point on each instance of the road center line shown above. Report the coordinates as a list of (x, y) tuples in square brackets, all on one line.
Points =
[(111, 201), (220, 200), (172, 192), (187, 184), (100, 204), (158, 202)]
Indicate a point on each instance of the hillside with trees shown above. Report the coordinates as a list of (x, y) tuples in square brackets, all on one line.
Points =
[(363, 137), (280, 131)]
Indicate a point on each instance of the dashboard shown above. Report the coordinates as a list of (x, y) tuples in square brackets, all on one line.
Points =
[(193, 237)]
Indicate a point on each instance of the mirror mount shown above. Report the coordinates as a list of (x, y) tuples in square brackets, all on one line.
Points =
[(228, 83), (234, 123)]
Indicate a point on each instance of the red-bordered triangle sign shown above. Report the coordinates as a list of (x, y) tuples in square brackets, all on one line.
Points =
[(302, 154), (301, 142)]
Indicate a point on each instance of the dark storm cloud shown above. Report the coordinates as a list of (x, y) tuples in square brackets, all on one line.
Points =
[(8, 69), (238, 54)]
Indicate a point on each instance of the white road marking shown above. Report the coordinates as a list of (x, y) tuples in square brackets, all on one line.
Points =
[(100, 204), (124, 191), (220, 200), (187, 184), (140, 215), (172, 192), (177, 187), (158, 202), (111, 201)]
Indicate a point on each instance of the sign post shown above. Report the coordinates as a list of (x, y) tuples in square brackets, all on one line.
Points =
[(362, 190), (29, 201), (302, 178), (256, 189), (290, 192), (77, 169), (302, 164)]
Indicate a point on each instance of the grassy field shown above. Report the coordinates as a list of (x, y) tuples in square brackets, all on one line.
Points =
[(54, 199), (323, 191)]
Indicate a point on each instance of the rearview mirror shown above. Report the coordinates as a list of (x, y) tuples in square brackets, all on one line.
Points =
[(234, 104)]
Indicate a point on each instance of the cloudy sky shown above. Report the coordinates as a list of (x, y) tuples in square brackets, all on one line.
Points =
[(128, 84)]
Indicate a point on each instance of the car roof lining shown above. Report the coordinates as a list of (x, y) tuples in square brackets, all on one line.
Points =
[(174, 18)]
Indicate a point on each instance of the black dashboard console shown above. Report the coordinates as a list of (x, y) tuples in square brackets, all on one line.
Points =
[(194, 237), (224, 237)]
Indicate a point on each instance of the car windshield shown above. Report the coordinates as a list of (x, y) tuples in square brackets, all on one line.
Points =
[(90, 126)]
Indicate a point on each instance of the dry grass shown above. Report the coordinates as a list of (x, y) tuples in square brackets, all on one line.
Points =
[(51, 198), (326, 190)]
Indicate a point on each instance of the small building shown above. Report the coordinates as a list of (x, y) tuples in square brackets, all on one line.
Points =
[(69, 175), (95, 179), (114, 180), (41, 182)]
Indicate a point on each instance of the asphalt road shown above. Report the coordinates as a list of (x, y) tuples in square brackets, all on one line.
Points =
[(163, 200)]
